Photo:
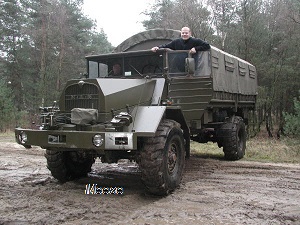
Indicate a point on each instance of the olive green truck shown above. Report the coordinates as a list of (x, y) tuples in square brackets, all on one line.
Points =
[(149, 114)]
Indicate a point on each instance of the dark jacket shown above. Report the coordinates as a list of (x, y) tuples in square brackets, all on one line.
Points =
[(180, 44)]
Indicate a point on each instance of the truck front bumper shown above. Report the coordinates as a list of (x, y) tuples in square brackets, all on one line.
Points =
[(83, 140)]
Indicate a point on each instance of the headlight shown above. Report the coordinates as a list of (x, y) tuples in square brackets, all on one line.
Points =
[(97, 140), (23, 137)]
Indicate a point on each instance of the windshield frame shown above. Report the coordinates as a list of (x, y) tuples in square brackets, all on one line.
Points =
[(134, 64)]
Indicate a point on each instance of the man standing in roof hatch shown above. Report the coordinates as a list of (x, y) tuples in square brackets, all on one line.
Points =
[(186, 42)]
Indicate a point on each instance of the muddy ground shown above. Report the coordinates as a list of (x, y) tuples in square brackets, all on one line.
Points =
[(213, 191)]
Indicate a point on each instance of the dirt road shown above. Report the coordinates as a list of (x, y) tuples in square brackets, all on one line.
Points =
[(213, 191)]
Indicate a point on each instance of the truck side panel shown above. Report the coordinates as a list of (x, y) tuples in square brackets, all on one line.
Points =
[(231, 74), (192, 95)]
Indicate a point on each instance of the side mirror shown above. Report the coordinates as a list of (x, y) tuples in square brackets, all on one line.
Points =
[(190, 65)]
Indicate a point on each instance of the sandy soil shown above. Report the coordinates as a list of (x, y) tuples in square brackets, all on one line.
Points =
[(213, 191)]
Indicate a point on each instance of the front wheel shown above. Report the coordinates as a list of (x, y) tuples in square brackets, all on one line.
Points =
[(162, 159), (68, 165)]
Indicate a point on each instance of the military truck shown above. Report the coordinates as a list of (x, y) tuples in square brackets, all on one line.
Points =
[(161, 101)]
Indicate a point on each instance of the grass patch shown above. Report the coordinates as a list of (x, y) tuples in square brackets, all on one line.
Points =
[(286, 150), (273, 150), (8, 136), (207, 150)]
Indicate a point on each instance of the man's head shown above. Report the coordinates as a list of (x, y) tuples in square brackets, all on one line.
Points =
[(185, 33), (117, 69)]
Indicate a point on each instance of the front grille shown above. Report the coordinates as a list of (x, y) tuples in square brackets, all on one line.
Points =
[(82, 96)]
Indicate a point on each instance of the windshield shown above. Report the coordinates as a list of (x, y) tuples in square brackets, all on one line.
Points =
[(138, 64), (120, 65)]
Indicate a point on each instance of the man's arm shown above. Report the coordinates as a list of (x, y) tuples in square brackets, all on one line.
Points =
[(201, 45), (170, 45)]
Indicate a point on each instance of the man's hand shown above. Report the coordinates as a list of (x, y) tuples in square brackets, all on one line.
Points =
[(193, 51), (154, 49)]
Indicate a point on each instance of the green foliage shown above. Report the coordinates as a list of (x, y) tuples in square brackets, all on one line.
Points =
[(43, 44), (160, 15), (292, 120), (7, 110), (192, 13)]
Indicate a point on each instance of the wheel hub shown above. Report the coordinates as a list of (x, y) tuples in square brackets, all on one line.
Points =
[(172, 158)]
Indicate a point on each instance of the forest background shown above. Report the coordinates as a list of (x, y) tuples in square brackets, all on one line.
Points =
[(43, 44)]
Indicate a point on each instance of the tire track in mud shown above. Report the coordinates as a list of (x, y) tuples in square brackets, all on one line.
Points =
[(213, 191), (29, 195)]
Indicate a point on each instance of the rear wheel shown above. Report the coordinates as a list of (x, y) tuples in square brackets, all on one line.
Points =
[(234, 138), (65, 165), (162, 159)]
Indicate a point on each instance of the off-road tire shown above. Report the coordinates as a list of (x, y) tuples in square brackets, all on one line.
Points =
[(66, 166), (162, 159), (234, 138)]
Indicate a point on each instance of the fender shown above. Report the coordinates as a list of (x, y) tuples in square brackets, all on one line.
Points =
[(153, 115), (146, 120)]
